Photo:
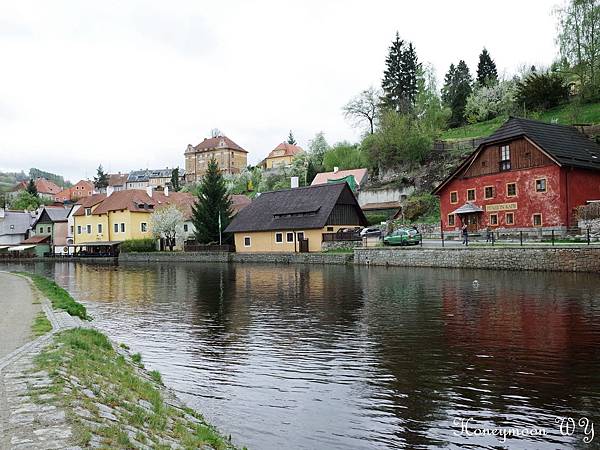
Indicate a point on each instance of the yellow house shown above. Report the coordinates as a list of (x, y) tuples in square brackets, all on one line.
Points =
[(281, 156), (122, 215), (294, 220)]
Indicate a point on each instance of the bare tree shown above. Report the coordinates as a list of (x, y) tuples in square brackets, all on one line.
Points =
[(363, 108), (589, 214)]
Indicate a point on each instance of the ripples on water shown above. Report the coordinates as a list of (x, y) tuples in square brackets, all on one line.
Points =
[(352, 358)]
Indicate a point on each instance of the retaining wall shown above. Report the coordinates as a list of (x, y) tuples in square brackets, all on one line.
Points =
[(275, 258), (540, 259)]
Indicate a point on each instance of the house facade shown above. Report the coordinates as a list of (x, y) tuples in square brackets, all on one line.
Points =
[(138, 179), (281, 156), (294, 220), (230, 157), (118, 181), (14, 226), (52, 223), (526, 175), (83, 188)]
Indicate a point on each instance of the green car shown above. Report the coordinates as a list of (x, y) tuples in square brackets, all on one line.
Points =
[(403, 236)]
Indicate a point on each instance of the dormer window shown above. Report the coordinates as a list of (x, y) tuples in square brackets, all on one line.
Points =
[(505, 158), (88, 211)]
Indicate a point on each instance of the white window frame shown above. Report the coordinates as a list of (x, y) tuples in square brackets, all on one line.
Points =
[(249, 241), (287, 235), (88, 228), (122, 227), (78, 229), (279, 233), (99, 228), (144, 227), (116, 227)]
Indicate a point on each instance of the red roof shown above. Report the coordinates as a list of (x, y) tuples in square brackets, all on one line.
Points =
[(83, 188), (239, 202), (88, 202), (288, 150), (36, 239), (42, 185), (216, 143), (117, 179)]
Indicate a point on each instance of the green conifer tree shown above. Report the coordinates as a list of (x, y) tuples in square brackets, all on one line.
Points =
[(487, 74), (31, 188), (291, 139), (456, 90), (101, 178), (213, 201), (400, 77), (175, 179)]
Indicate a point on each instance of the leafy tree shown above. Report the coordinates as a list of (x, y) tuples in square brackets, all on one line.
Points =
[(58, 179), (212, 202), (579, 43), (487, 74), (31, 188), (400, 76), (429, 109), (344, 156), (400, 139), (25, 201), (363, 108), (291, 139), (456, 90), (317, 148), (167, 223), (487, 102), (101, 178), (175, 179), (540, 91)]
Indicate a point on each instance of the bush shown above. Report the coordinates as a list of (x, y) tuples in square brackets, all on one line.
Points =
[(138, 245), (488, 102), (423, 208), (542, 91), (375, 218)]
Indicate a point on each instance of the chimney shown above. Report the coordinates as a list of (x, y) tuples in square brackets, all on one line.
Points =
[(109, 190), (149, 191), (294, 181), (336, 169), (166, 191)]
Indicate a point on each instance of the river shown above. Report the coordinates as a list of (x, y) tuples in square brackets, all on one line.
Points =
[(343, 357)]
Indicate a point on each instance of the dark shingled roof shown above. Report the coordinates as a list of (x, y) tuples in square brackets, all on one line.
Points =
[(299, 208), (564, 143)]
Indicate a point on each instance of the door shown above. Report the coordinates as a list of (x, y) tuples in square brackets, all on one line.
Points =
[(303, 245), (472, 221)]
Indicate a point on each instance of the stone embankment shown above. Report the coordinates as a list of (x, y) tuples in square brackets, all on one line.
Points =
[(73, 388), (559, 259)]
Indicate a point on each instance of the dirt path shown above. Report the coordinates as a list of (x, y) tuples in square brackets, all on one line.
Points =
[(17, 311)]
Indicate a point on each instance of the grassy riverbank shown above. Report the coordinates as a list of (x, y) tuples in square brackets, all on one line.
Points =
[(111, 401)]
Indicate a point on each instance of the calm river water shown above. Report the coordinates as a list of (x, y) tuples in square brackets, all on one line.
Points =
[(342, 357)]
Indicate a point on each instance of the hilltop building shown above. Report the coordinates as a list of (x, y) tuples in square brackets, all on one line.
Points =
[(46, 189), (526, 175), (230, 157), (281, 156)]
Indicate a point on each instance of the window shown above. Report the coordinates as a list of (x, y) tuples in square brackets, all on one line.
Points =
[(504, 157), (49, 230), (488, 192), (289, 236), (72, 228), (279, 238), (300, 235), (537, 220), (540, 185), (511, 189), (122, 228), (116, 227), (451, 220), (99, 228), (510, 218), (78, 229), (329, 228), (470, 195), (493, 219), (88, 211), (88, 229), (453, 197), (247, 241), (144, 227), (185, 227)]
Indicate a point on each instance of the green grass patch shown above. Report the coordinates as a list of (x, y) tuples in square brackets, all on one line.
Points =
[(59, 298), (565, 114), (135, 396), (41, 325)]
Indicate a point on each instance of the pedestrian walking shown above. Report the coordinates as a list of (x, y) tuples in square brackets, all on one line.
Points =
[(465, 235)]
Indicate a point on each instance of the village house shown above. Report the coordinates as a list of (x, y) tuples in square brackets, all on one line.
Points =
[(46, 189), (118, 181), (294, 220), (526, 175), (354, 177), (230, 157), (138, 179), (161, 178), (14, 227), (86, 202), (281, 156), (49, 231), (83, 188), (122, 215)]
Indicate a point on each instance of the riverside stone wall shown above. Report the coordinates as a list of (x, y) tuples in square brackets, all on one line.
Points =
[(584, 259), (274, 258)]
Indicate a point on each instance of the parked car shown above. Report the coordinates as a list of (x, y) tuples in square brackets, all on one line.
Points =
[(370, 231), (403, 236)]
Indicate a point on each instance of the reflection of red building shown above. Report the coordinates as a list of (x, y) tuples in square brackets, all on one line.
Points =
[(527, 174)]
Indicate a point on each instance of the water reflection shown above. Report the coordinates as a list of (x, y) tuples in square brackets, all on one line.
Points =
[(353, 357)]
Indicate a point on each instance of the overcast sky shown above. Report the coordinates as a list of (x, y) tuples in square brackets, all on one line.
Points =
[(129, 84)]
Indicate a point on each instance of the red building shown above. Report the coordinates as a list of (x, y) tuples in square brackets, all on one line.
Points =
[(528, 174)]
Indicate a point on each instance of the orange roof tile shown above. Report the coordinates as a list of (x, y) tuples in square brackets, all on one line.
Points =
[(288, 150), (214, 142)]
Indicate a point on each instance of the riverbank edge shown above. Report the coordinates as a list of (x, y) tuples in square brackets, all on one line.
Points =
[(544, 259), (188, 424)]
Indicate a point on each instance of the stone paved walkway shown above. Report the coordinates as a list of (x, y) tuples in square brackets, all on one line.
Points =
[(25, 424)]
